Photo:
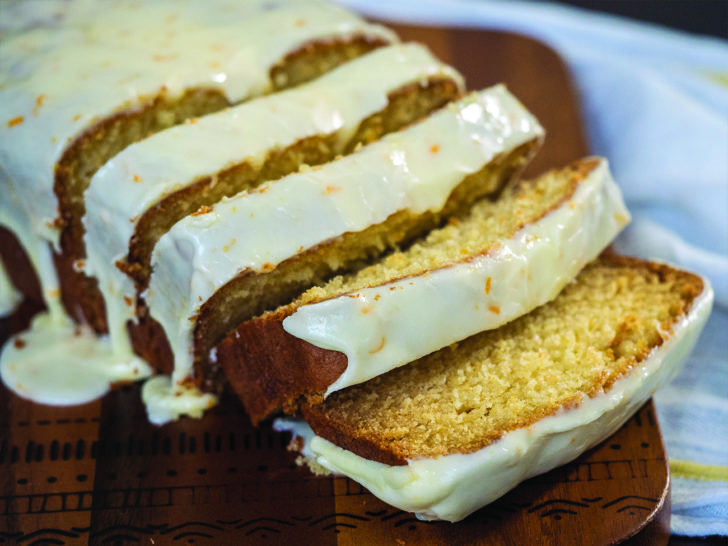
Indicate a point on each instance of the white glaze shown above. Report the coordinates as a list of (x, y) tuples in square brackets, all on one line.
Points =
[(9, 295), (58, 363), (165, 402), (144, 173), (258, 230), (386, 326), (452, 486), (77, 62)]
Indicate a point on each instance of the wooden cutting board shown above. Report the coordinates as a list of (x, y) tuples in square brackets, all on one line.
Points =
[(101, 474)]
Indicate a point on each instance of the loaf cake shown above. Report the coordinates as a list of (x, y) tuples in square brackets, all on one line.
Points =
[(460, 427), (144, 190), (259, 249), (81, 80), (492, 265)]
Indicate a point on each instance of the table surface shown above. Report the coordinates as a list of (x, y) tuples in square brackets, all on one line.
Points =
[(101, 474)]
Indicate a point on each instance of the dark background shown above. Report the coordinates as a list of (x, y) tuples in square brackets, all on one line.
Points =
[(708, 17)]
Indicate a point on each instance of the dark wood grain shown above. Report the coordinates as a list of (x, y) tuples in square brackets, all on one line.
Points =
[(101, 474)]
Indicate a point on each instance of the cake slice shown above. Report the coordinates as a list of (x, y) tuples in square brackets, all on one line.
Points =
[(80, 81), (250, 253), (144, 190), (457, 429), (499, 261)]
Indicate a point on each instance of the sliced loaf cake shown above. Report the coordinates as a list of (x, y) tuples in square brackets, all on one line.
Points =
[(225, 264), (497, 262), (460, 427), (80, 81), (144, 190)]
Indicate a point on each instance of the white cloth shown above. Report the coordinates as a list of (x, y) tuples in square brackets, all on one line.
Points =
[(655, 103)]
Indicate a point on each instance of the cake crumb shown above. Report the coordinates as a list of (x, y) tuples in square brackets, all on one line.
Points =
[(39, 100), (204, 209)]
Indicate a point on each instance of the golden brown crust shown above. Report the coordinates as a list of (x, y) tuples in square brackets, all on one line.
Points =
[(345, 435), (255, 372), (338, 434)]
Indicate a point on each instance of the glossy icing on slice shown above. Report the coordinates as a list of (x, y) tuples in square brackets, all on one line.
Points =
[(452, 486), (400, 172), (386, 326), (66, 66), (144, 173)]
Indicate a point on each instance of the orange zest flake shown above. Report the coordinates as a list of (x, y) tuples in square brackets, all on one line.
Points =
[(487, 285), (267, 266), (215, 64), (494, 309), (128, 300), (227, 247), (204, 209), (137, 178), (332, 189), (76, 117), (39, 100), (191, 121), (379, 347), (300, 22), (434, 148), (572, 205), (376, 298), (163, 58), (16, 121), (366, 310)]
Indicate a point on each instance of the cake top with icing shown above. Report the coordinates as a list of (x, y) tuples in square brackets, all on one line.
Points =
[(66, 65), (415, 169)]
